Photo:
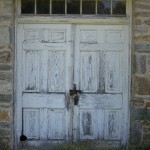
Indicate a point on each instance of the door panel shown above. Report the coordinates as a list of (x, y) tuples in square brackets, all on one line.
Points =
[(56, 71), (31, 123), (89, 73), (113, 81), (31, 71)]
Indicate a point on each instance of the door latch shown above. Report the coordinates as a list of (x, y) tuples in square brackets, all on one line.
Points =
[(74, 91)]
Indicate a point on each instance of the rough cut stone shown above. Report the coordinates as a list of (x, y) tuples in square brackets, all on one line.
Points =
[(141, 114), (140, 64), (5, 87), (142, 85), (142, 47), (147, 22), (142, 6), (5, 98), (4, 35), (146, 127), (142, 14), (138, 102), (4, 116), (140, 30), (4, 132), (5, 67), (4, 125), (136, 132), (148, 104), (5, 57), (5, 48), (137, 22), (148, 64), (142, 38), (146, 136), (5, 75)]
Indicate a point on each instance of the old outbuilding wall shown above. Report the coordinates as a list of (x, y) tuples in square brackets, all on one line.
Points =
[(140, 104), (140, 91), (6, 73)]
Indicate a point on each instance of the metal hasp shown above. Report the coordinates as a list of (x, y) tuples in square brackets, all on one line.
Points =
[(74, 93)]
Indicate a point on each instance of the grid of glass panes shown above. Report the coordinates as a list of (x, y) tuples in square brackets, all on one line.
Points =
[(93, 7)]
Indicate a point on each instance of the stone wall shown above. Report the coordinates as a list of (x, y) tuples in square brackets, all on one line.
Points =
[(6, 72), (140, 106)]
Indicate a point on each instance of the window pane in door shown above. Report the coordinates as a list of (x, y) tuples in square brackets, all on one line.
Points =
[(88, 6), (58, 7), (27, 6), (119, 7), (73, 7), (103, 7), (42, 6)]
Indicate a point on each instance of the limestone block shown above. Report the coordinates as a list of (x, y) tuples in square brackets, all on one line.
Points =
[(138, 102), (4, 132), (5, 98), (141, 30), (146, 136), (142, 86), (147, 105), (5, 57), (5, 140), (5, 67), (146, 126), (6, 7), (136, 132), (144, 38), (140, 61), (141, 114), (148, 64), (137, 21), (5, 125), (4, 35), (142, 7), (6, 76), (5, 87), (4, 116), (5, 48), (142, 14), (142, 47), (147, 22)]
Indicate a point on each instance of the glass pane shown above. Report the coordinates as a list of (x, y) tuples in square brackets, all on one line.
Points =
[(73, 7), (58, 7), (42, 6), (27, 6), (103, 7), (88, 6), (119, 7)]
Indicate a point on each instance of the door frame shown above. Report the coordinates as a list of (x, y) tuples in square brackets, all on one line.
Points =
[(52, 20)]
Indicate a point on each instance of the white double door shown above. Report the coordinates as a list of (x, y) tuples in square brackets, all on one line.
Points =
[(51, 60)]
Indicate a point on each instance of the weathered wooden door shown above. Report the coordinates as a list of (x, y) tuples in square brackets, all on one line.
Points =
[(44, 64), (101, 73), (51, 59)]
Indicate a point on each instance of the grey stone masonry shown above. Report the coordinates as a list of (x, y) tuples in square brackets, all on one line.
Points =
[(140, 103), (140, 110), (6, 73)]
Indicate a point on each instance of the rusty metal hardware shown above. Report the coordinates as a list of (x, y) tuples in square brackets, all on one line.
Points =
[(76, 100), (74, 91)]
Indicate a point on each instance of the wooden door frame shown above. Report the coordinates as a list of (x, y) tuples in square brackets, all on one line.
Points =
[(52, 20)]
